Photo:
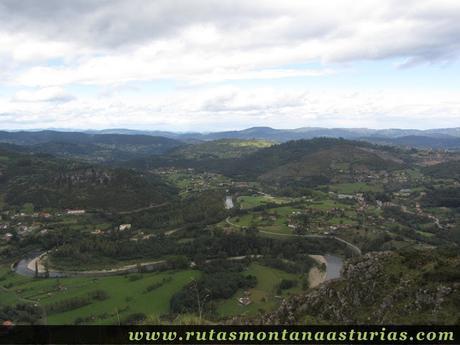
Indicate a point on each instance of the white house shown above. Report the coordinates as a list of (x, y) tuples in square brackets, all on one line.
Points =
[(76, 212), (124, 227)]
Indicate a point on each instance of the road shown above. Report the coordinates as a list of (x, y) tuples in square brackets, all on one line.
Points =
[(353, 247), (26, 267), (144, 208)]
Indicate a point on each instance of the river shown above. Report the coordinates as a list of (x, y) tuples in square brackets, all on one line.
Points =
[(23, 267), (333, 267)]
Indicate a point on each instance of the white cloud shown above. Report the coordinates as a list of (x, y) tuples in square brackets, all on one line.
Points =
[(231, 107), (55, 45), (49, 94), (118, 41)]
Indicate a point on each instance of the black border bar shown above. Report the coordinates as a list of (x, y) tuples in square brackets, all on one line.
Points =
[(226, 334)]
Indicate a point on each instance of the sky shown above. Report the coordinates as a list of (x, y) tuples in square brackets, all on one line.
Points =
[(207, 65)]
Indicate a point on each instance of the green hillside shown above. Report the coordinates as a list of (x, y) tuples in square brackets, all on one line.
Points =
[(90, 147), (48, 182), (445, 170), (309, 163), (224, 148)]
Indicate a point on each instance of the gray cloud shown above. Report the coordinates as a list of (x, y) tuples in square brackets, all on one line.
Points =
[(121, 22), (422, 30)]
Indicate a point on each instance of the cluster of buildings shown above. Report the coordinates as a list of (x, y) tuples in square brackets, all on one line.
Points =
[(22, 224)]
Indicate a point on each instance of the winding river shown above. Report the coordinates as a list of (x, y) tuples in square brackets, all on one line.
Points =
[(26, 267), (334, 266)]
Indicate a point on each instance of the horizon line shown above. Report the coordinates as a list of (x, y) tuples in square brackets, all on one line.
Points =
[(77, 130)]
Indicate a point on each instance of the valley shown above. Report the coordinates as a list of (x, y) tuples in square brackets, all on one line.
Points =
[(225, 231)]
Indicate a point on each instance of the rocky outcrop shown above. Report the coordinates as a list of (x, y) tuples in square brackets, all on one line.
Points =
[(376, 288)]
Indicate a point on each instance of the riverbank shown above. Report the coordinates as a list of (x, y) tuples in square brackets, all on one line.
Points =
[(31, 267), (317, 275)]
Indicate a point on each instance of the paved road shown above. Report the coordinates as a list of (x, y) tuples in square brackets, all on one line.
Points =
[(24, 268)]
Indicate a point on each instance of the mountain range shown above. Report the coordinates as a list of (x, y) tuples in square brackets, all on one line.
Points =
[(119, 143), (269, 133)]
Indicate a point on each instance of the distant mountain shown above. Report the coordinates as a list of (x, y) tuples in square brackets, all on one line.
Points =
[(455, 132), (119, 143), (282, 135), (165, 134), (439, 141)]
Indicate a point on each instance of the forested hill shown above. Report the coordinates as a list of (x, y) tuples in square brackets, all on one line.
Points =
[(310, 157), (323, 157), (49, 182), (91, 147), (445, 170), (432, 138), (417, 141)]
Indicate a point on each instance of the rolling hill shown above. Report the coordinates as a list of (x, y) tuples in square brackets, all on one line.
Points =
[(317, 157), (47, 182), (116, 144), (418, 141), (91, 147), (222, 148), (282, 135)]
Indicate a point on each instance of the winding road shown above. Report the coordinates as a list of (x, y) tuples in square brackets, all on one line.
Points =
[(353, 247), (26, 267)]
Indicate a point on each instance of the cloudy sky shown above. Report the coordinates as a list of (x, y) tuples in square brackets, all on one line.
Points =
[(213, 65)]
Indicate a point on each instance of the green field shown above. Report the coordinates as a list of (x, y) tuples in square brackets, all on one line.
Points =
[(126, 295), (357, 187), (263, 296), (327, 204), (274, 220), (251, 201)]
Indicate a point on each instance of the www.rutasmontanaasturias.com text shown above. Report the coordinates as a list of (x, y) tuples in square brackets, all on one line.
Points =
[(288, 335)]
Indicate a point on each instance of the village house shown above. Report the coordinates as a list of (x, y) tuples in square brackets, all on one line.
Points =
[(124, 227), (404, 192), (22, 229), (45, 215), (8, 236), (246, 299), (345, 196), (76, 212)]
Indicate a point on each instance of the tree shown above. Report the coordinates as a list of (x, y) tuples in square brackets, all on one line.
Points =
[(36, 269)]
